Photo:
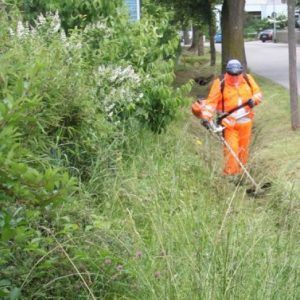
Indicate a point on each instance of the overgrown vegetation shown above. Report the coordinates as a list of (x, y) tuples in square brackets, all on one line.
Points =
[(96, 204), (72, 105)]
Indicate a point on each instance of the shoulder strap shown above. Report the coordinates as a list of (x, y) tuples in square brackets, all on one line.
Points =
[(248, 81), (222, 85)]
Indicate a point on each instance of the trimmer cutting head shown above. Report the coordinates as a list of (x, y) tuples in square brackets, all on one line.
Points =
[(256, 190), (259, 192)]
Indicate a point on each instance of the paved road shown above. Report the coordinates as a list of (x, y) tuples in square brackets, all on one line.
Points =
[(270, 60)]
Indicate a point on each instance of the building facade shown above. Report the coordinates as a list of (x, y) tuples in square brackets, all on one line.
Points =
[(259, 9), (266, 8), (263, 8), (134, 7)]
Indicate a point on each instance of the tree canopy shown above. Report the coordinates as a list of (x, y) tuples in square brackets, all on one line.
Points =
[(202, 12)]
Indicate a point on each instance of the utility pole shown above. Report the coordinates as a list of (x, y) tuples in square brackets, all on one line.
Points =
[(295, 119), (274, 15)]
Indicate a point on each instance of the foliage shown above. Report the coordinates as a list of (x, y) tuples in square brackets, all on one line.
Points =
[(198, 11), (281, 21), (254, 25), (147, 50), (30, 181), (56, 87), (147, 216), (71, 103), (73, 14)]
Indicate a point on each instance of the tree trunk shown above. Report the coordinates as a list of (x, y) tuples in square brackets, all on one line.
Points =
[(198, 41), (195, 39), (201, 44), (232, 23), (212, 32), (211, 21), (293, 66), (186, 37)]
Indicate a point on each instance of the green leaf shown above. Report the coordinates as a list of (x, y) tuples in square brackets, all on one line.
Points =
[(7, 234), (3, 111), (9, 102), (4, 283), (15, 294), (4, 197), (3, 292), (32, 175), (20, 87), (18, 168)]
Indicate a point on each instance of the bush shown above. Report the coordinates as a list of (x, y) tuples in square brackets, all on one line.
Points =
[(73, 14), (71, 105), (144, 48)]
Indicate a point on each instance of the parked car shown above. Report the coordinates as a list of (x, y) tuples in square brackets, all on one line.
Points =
[(218, 38), (297, 20), (266, 35)]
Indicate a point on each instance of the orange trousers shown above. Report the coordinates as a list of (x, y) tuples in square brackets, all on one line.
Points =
[(238, 137)]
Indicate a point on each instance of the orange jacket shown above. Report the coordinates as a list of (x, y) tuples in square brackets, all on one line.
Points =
[(236, 92)]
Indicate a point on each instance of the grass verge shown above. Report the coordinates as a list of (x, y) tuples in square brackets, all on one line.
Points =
[(168, 226)]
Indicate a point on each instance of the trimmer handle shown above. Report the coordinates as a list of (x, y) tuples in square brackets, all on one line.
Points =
[(211, 126)]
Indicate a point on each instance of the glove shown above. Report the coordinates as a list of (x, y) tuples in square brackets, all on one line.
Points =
[(197, 109), (205, 123), (251, 103)]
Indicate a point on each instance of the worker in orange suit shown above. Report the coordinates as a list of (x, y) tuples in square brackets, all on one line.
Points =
[(233, 97)]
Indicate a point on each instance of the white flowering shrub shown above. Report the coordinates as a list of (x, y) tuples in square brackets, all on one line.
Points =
[(149, 47), (68, 103), (119, 91), (47, 28), (49, 24), (43, 64), (30, 181), (74, 88), (73, 14), (100, 28), (141, 48)]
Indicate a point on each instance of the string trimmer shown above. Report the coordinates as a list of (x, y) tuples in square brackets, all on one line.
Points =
[(216, 130)]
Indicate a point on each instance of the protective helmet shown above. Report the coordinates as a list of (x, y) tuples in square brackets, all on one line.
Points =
[(234, 67)]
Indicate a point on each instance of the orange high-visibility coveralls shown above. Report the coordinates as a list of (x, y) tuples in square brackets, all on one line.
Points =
[(238, 125)]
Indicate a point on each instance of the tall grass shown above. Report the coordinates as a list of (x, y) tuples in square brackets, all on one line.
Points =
[(185, 237), (156, 220), (167, 225), (188, 234)]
